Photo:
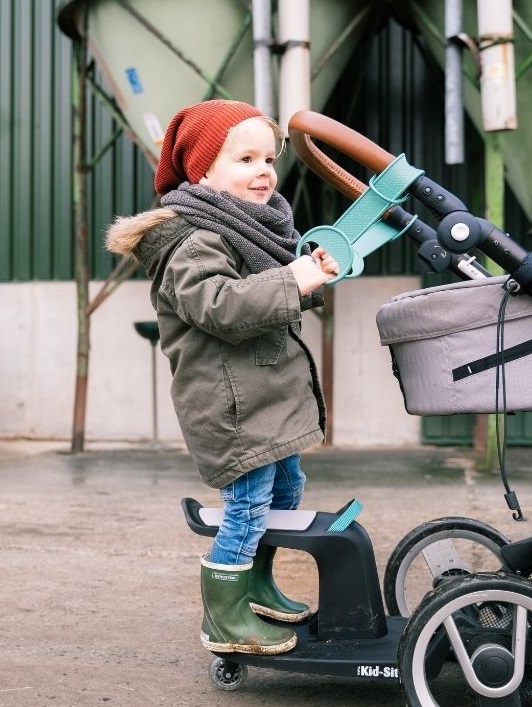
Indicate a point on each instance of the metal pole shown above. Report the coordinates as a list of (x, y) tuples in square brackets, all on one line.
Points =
[(79, 190), (154, 392), (497, 82), (497, 88), (294, 74), (486, 425), (454, 109), (262, 40)]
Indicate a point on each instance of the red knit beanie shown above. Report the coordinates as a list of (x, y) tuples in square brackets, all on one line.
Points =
[(194, 137)]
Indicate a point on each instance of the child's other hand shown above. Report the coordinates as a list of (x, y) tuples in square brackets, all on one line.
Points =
[(312, 271)]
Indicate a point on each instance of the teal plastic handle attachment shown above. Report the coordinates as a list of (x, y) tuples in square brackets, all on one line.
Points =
[(360, 229), (337, 244)]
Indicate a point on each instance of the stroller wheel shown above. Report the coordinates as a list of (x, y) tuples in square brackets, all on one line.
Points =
[(440, 549), (469, 638)]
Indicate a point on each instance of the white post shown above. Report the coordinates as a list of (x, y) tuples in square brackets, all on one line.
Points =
[(454, 109), (294, 76), (497, 83), (262, 38)]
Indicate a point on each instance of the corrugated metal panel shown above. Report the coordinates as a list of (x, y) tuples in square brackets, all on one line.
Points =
[(390, 91), (36, 241), (34, 134)]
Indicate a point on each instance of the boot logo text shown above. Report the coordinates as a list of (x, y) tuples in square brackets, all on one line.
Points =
[(225, 577)]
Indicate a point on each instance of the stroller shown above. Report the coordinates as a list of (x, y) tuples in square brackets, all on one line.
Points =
[(474, 624)]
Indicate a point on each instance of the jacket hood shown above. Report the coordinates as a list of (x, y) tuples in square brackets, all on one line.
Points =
[(149, 237), (126, 232)]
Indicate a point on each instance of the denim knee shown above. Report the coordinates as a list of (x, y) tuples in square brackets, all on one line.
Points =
[(289, 484), (247, 501)]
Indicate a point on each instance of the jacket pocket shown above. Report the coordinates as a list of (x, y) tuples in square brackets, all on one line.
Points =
[(234, 409), (269, 347)]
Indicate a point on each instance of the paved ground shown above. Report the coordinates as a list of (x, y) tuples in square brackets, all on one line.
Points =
[(100, 596)]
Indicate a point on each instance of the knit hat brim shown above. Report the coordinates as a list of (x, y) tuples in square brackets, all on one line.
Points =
[(194, 138)]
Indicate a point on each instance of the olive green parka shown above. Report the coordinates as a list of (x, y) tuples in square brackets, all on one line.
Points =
[(245, 387)]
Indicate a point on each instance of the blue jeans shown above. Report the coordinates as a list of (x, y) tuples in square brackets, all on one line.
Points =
[(247, 500)]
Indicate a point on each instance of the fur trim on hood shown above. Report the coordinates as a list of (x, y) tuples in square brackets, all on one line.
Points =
[(126, 231)]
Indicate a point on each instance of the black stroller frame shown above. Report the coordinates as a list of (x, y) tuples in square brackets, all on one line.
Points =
[(478, 620)]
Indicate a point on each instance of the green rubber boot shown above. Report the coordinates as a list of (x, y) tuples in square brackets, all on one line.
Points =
[(265, 597), (229, 624)]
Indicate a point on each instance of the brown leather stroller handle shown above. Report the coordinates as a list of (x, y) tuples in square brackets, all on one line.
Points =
[(306, 124)]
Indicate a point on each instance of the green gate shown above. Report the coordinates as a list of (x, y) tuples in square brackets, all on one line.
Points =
[(458, 429)]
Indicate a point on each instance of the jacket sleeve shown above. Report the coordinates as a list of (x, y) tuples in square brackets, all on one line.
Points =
[(204, 283), (313, 300)]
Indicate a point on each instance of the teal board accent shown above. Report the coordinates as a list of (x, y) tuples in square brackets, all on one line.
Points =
[(350, 514)]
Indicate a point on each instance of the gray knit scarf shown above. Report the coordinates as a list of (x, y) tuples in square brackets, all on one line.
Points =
[(263, 234)]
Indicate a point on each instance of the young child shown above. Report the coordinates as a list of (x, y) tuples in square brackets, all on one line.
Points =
[(229, 293)]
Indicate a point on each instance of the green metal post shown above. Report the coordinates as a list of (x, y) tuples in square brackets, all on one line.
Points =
[(485, 428), (79, 192)]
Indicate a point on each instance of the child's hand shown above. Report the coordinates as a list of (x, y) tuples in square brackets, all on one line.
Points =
[(312, 271), (325, 262)]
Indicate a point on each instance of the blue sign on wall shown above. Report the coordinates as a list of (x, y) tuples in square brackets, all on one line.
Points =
[(134, 80)]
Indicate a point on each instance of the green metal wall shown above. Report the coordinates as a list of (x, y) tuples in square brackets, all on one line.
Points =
[(390, 91), (35, 144)]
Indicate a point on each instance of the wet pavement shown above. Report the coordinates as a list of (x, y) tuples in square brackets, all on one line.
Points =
[(100, 573)]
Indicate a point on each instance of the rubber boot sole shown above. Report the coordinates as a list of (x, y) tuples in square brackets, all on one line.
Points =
[(255, 649), (279, 615)]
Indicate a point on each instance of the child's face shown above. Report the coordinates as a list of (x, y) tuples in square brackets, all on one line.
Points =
[(244, 165)]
